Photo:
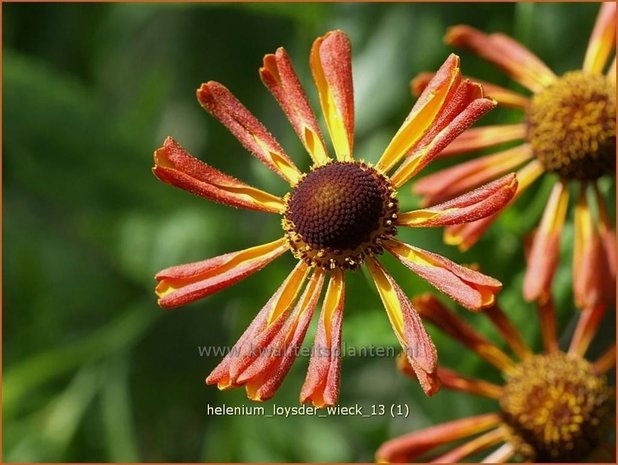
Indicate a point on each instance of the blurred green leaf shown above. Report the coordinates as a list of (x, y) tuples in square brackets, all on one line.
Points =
[(33, 372)]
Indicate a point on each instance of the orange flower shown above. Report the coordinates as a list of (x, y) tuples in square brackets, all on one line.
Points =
[(568, 128), (340, 215), (554, 406)]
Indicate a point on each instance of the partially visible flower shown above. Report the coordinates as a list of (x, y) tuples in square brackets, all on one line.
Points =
[(554, 406), (568, 128), (340, 215)]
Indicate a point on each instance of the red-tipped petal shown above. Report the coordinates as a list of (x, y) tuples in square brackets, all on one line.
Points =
[(481, 138), (175, 166), (466, 235), (279, 77), (179, 285), (425, 153), (602, 40), (331, 65), (411, 446), (266, 373), (593, 282), (479, 203), (220, 103), (607, 232), (423, 114), (261, 331), (408, 327), (503, 96), (509, 55), (470, 288), (321, 385), (545, 251), (449, 182)]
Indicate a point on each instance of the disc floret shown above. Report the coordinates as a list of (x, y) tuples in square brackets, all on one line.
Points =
[(338, 214), (555, 407), (572, 126)]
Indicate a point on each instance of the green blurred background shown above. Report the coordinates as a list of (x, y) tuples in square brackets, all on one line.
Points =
[(93, 369)]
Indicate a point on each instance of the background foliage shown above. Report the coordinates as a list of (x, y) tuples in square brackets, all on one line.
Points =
[(93, 369)]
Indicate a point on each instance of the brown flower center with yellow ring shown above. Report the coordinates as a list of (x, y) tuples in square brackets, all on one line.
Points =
[(338, 214), (572, 126), (555, 408)]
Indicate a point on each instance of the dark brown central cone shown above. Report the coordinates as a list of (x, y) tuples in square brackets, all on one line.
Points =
[(338, 206)]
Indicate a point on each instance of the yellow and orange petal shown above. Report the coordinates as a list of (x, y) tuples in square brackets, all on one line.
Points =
[(509, 55), (470, 288), (586, 328), (258, 336), (428, 149), (504, 97), (265, 374), (422, 115), (183, 284), (602, 40), (479, 443), (449, 182), (331, 65), (466, 235), (408, 327), (175, 166), (593, 283), (508, 332), (279, 76), (412, 446), (321, 385), (543, 257), (220, 103), (471, 206)]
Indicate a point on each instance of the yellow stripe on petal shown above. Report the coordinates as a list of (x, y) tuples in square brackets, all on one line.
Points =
[(408, 326), (313, 287), (332, 300), (281, 162), (419, 120), (602, 39), (583, 224), (315, 146), (175, 166), (279, 76), (321, 385), (289, 293), (182, 284), (330, 63), (389, 298), (543, 257)]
